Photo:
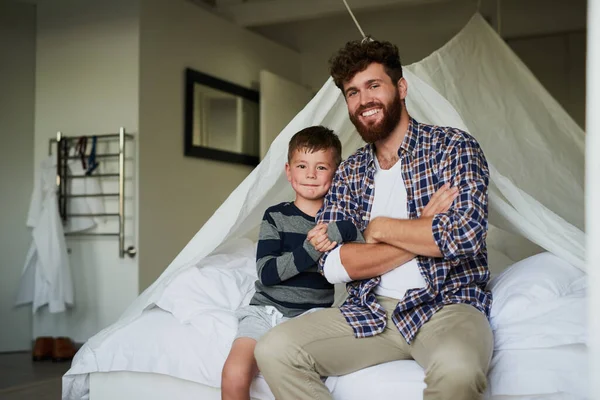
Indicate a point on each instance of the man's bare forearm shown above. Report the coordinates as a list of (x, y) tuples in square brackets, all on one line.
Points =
[(413, 235), (364, 260)]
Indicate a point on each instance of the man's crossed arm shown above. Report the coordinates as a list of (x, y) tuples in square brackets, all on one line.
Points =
[(390, 242)]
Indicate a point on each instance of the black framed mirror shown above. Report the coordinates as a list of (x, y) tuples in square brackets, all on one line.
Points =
[(221, 120)]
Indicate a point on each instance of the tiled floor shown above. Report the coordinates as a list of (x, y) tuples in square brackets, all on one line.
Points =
[(21, 378)]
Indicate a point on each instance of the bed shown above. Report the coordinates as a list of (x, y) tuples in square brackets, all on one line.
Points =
[(179, 345)]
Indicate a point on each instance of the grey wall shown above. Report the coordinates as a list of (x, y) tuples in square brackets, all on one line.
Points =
[(179, 194), (17, 99)]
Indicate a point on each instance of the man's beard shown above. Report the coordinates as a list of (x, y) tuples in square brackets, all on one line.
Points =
[(374, 132)]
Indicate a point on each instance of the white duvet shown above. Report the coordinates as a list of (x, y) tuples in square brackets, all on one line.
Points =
[(538, 319)]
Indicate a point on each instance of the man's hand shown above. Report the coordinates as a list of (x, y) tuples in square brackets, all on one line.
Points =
[(441, 201), (370, 234), (318, 238)]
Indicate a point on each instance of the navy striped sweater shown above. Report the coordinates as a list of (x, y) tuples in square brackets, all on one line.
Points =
[(286, 262)]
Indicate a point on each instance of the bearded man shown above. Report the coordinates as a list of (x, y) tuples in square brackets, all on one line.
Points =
[(416, 284)]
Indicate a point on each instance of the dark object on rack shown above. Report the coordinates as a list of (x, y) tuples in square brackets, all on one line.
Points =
[(92, 163), (81, 149), (62, 176)]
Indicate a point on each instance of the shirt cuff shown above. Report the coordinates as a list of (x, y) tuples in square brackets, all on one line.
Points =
[(334, 270), (441, 236)]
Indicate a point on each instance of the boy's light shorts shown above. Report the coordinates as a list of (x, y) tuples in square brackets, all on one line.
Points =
[(255, 321)]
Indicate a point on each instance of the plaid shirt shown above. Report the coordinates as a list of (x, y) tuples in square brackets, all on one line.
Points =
[(430, 157)]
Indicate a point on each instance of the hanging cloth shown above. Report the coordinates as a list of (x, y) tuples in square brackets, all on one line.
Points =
[(92, 164), (81, 149)]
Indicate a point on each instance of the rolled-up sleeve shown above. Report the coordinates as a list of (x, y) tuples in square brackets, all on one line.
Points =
[(339, 207), (460, 233)]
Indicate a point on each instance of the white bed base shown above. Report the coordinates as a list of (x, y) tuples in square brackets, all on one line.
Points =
[(126, 385)]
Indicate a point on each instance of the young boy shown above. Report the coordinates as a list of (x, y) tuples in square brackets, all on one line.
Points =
[(288, 281)]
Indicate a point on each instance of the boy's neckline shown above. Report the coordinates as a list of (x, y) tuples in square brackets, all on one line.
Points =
[(303, 213)]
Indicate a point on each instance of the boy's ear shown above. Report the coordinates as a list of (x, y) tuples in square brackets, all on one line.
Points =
[(288, 172)]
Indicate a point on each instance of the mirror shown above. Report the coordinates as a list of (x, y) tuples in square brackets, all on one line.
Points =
[(221, 120)]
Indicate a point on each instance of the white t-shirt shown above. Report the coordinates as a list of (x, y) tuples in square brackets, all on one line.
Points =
[(390, 201)]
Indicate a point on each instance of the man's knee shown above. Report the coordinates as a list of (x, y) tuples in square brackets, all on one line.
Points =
[(275, 346), (461, 377)]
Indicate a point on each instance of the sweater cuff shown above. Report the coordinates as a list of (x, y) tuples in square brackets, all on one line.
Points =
[(311, 251), (344, 232)]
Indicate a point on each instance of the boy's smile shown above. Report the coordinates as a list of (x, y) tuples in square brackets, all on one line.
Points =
[(310, 174)]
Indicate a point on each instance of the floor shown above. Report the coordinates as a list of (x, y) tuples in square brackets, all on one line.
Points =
[(21, 378)]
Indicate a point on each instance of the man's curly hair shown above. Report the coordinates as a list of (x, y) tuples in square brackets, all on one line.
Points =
[(357, 55)]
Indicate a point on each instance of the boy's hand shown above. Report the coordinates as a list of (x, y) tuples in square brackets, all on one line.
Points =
[(318, 238), (441, 201)]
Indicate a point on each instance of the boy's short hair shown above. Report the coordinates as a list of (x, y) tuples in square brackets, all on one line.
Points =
[(316, 138)]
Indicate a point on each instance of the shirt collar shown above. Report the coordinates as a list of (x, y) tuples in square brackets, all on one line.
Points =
[(409, 144)]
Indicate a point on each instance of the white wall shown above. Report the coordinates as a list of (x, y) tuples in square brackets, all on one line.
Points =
[(17, 77), (87, 83), (178, 194), (593, 196), (420, 30)]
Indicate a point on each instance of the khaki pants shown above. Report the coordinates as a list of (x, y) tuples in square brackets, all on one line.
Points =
[(454, 347)]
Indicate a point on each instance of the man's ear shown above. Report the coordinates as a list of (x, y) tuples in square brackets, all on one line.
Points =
[(402, 88)]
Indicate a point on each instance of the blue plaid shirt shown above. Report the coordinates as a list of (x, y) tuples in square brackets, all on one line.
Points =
[(431, 156)]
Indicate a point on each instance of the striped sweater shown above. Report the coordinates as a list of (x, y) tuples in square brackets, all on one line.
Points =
[(287, 263)]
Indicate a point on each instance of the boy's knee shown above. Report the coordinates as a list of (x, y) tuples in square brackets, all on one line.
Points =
[(235, 378)]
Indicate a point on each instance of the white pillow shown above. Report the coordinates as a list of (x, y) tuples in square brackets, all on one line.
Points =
[(540, 371), (219, 282), (529, 282), (556, 322)]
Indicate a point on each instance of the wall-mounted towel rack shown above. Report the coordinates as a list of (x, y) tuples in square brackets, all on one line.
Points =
[(63, 145)]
